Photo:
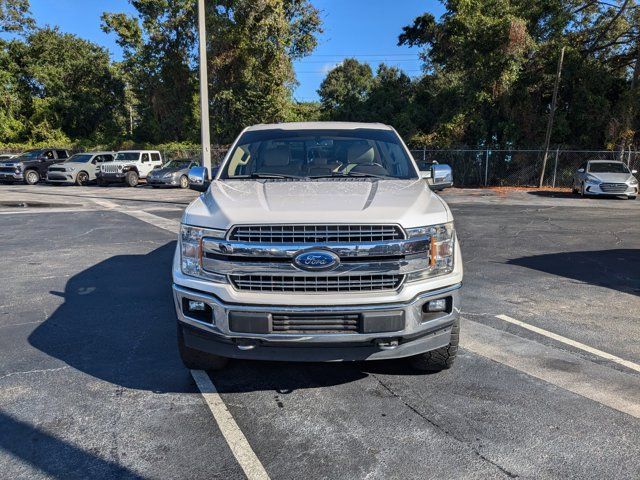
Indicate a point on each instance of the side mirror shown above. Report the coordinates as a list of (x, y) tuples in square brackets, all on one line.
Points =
[(442, 177), (199, 179), (581, 170)]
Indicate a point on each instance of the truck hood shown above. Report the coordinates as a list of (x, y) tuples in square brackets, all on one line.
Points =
[(409, 203), (613, 177)]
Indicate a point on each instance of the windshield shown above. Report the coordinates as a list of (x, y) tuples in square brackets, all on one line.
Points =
[(278, 153), (127, 156), (177, 164), (608, 167), (80, 158)]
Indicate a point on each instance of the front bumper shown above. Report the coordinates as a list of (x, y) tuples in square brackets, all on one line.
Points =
[(163, 182), (598, 189), (12, 176), (60, 177), (418, 333), (111, 177)]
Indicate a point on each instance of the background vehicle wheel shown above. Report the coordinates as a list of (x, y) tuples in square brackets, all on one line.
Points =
[(574, 191), (184, 181), (197, 360), (31, 177), (82, 178), (131, 179), (440, 359)]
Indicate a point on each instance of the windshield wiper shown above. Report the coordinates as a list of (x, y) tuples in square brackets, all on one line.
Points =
[(265, 175), (351, 174)]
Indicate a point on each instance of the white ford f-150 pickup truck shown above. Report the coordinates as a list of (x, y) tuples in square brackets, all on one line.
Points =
[(317, 242)]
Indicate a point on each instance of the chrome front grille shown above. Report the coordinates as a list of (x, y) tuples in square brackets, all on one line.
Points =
[(315, 323), (316, 284), (316, 233), (614, 187)]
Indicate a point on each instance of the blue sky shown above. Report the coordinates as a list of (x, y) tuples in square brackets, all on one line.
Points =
[(364, 29)]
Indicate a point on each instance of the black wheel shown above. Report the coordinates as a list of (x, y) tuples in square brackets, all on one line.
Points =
[(574, 190), (31, 177), (131, 179), (82, 178), (440, 359), (184, 181), (197, 360)]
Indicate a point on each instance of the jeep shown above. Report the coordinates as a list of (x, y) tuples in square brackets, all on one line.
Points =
[(129, 167)]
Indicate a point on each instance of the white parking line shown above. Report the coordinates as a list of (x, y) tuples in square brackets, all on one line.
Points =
[(236, 440), (573, 343), (602, 384), (242, 451)]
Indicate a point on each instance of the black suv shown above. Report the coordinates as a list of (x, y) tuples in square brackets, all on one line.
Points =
[(31, 166)]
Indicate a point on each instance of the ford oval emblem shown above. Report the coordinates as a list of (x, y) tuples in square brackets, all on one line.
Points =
[(316, 260)]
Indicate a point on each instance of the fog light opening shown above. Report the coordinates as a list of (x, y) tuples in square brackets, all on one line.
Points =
[(439, 305), (198, 310)]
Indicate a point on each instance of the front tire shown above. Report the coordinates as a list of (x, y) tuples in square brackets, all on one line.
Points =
[(31, 177), (131, 179), (441, 358), (184, 182), (197, 360), (82, 179)]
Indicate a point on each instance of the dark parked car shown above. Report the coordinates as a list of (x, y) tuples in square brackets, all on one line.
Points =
[(31, 166), (172, 174)]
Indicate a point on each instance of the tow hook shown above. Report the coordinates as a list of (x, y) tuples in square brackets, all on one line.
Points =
[(246, 344), (388, 344)]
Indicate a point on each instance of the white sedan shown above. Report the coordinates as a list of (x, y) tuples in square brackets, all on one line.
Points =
[(605, 177)]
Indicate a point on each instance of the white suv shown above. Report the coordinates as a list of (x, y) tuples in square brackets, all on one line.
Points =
[(129, 167), (317, 242)]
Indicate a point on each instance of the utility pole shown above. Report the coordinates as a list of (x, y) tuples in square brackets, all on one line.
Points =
[(554, 100), (204, 91)]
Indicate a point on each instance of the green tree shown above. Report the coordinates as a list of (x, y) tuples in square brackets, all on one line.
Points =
[(15, 16), (159, 66), (251, 48), (345, 90)]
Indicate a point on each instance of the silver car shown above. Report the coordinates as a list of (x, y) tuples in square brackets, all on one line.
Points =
[(80, 169), (605, 177), (172, 174)]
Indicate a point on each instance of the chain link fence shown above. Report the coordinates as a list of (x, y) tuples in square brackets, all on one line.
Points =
[(513, 168)]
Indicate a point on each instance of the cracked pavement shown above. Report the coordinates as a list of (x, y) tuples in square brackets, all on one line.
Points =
[(91, 385)]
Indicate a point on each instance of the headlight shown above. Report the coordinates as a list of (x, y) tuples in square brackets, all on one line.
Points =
[(168, 175), (592, 179), (633, 181), (191, 251), (441, 250)]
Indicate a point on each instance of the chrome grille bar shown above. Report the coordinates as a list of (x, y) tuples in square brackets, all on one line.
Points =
[(316, 284), (315, 233)]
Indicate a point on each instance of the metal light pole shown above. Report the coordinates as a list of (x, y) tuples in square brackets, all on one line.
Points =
[(204, 91), (547, 138)]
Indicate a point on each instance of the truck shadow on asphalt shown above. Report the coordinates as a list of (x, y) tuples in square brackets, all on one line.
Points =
[(117, 324), (53, 456), (615, 269)]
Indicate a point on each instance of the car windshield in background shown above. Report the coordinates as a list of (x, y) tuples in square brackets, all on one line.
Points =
[(177, 164), (278, 153), (608, 167), (31, 154), (127, 156), (80, 158)]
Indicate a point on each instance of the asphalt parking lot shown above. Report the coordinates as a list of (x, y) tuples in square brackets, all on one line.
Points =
[(547, 384)]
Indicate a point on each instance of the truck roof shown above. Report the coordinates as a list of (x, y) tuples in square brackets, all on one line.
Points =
[(319, 126)]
